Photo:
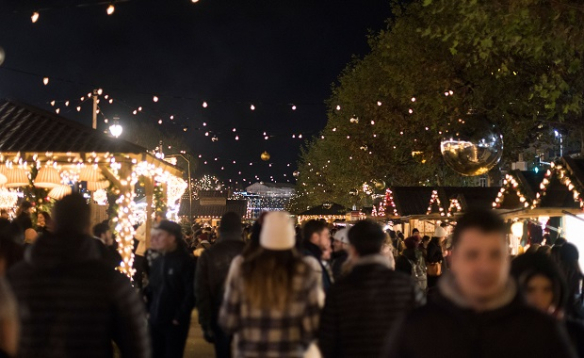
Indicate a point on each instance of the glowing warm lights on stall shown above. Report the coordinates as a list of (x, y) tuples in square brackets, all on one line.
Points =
[(435, 199)]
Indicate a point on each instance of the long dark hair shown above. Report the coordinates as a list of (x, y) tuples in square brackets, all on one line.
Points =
[(269, 276)]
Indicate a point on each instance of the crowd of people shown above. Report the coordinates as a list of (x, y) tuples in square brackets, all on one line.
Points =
[(274, 289)]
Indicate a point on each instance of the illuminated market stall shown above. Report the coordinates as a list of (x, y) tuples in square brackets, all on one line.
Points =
[(40, 152), (550, 203), (328, 211)]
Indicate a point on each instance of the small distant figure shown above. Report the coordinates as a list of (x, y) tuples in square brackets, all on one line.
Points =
[(170, 291), (103, 233), (44, 223)]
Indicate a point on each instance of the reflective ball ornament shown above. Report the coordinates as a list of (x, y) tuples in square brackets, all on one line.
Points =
[(471, 145), (367, 188), (354, 192), (379, 184), (265, 156)]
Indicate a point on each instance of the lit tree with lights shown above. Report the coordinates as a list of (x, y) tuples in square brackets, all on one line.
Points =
[(436, 61)]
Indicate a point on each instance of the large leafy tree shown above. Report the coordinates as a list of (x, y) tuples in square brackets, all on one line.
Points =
[(435, 61)]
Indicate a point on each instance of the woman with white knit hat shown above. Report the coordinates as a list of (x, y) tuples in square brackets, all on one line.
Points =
[(271, 300)]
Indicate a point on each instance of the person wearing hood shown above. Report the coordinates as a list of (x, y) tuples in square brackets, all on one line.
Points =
[(170, 291), (71, 304), (570, 266), (212, 268), (316, 235), (478, 311), (545, 288), (363, 306)]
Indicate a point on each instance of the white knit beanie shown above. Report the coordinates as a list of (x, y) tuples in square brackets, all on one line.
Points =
[(277, 231), (342, 235)]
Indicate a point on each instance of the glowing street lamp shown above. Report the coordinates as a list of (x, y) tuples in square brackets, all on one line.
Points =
[(116, 129)]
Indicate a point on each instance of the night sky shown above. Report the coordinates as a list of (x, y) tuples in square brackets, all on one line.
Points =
[(231, 54)]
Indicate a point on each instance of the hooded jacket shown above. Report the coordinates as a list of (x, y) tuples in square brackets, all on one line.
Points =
[(212, 269), (170, 290), (73, 305), (449, 328)]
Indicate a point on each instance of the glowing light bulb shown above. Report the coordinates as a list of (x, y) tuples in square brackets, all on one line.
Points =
[(171, 118), (35, 17), (155, 99), (66, 103), (57, 110), (379, 103), (53, 103), (135, 112), (338, 107), (293, 107), (252, 107), (78, 108), (111, 100), (160, 121), (140, 109), (99, 91), (413, 99), (236, 137), (46, 81), (110, 9), (205, 105)]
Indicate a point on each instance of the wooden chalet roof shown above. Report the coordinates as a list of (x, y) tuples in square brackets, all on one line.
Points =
[(25, 128)]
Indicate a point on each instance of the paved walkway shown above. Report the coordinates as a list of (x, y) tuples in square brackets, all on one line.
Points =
[(197, 347)]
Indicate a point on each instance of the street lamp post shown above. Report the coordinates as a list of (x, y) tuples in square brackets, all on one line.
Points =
[(190, 185)]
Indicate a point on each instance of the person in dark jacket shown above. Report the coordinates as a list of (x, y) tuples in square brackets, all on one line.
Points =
[(363, 306), (23, 218), (545, 288), (477, 311), (434, 259), (340, 253), (315, 235), (412, 263), (569, 264), (72, 304), (10, 252), (212, 269), (170, 291), (103, 233)]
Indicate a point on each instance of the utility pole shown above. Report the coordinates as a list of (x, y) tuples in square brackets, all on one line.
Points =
[(95, 98)]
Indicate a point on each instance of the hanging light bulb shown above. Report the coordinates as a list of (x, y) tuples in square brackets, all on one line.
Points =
[(46, 81), (155, 99), (205, 104), (252, 107), (78, 108), (379, 103), (52, 103), (160, 121), (111, 100), (293, 107), (35, 17), (100, 91), (110, 9), (338, 107), (66, 103), (116, 129)]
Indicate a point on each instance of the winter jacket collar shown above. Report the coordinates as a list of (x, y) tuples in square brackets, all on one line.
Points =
[(54, 249), (312, 249), (377, 259), (448, 289), (229, 237)]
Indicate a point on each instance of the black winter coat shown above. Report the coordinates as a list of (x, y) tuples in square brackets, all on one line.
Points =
[(170, 290), (339, 259), (212, 269), (311, 249), (72, 305), (361, 309), (443, 330)]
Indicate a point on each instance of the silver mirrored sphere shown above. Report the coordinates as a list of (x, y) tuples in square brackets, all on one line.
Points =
[(471, 145)]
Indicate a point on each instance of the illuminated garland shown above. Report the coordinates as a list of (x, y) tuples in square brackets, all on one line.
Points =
[(435, 199), (563, 176), (510, 183), (389, 203), (374, 211), (454, 204)]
